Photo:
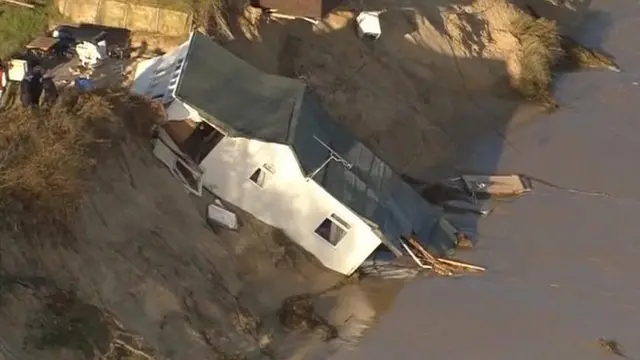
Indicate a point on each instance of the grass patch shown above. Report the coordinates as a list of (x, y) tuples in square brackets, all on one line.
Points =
[(46, 155), (19, 25), (540, 48)]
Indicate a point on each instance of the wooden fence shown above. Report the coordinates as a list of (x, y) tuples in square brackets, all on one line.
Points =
[(131, 16)]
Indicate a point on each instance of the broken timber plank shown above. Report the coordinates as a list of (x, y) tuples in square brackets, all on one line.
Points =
[(290, 17), (434, 262), (462, 264), (20, 3), (414, 257)]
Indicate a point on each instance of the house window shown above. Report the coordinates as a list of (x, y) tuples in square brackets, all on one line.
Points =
[(201, 141), (333, 229), (258, 177), (191, 180), (187, 175)]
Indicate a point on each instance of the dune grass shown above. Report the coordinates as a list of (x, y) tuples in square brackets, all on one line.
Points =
[(540, 49), (46, 155)]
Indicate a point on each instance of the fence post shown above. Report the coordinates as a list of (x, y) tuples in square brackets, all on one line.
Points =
[(97, 18), (158, 18), (127, 7), (63, 11)]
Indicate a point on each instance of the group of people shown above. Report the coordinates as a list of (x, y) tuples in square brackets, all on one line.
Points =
[(37, 84)]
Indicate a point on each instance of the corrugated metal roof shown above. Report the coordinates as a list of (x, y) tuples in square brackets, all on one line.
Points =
[(235, 96), (241, 99), (370, 188)]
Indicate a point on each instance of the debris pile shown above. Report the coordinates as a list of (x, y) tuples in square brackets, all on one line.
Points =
[(611, 346), (441, 266), (297, 313)]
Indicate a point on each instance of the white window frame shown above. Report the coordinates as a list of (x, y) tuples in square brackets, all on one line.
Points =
[(198, 177), (166, 151), (264, 170), (338, 221)]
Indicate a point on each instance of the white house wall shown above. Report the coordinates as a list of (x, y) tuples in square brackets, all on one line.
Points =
[(286, 200), (157, 77), (180, 111)]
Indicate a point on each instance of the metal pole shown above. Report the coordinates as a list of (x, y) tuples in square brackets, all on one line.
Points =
[(316, 171)]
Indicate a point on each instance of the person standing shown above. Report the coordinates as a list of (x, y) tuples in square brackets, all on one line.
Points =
[(25, 93), (35, 85), (50, 93)]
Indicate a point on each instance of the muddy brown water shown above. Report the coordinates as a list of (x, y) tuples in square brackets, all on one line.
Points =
[(562, 265)]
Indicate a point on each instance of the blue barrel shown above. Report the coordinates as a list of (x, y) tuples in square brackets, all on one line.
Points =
[(83, 84)]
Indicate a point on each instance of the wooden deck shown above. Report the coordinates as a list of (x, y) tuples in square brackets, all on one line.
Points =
[(42, 43)]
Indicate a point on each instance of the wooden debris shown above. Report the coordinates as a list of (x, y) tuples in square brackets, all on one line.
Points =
[(290, 17), (42, 43), (611, 346), (441, 266), (415, 258), (437, 266), (462, 264)]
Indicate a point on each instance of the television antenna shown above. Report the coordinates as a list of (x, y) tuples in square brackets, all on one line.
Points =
[(333, 155)]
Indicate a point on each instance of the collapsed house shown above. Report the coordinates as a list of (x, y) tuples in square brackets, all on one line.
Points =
[(265, 144)]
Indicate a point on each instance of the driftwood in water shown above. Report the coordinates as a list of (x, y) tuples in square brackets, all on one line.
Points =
[(611, 346), (462, 264), (442, 266), (436, 265)]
